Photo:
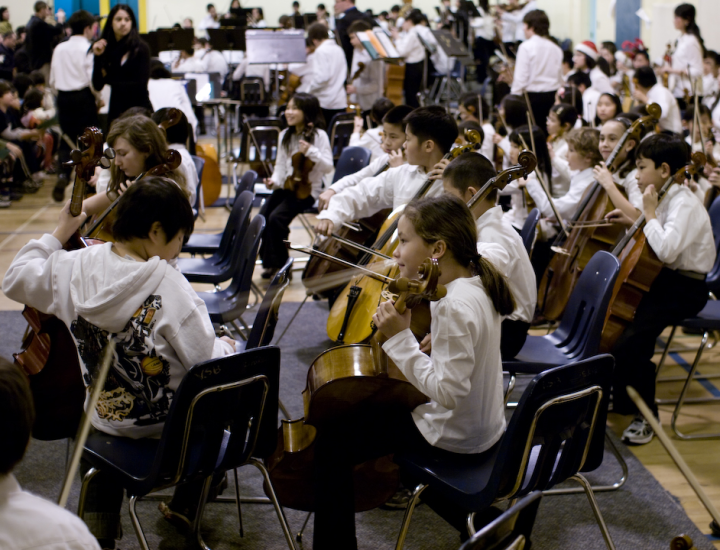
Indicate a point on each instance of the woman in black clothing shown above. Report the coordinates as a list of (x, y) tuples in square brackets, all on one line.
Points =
[(122, 61)]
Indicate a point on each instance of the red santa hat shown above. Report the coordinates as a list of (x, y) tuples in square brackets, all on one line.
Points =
[(589, 49)]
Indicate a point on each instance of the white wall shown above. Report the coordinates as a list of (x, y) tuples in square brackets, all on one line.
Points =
[(20, 11)]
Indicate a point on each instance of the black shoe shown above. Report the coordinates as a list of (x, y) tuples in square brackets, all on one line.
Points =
[(269, 272)]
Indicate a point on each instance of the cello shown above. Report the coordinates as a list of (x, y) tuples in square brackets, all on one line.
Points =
[(338, 381), (639, 266), (49, 356), (349, 319), (587, 236)]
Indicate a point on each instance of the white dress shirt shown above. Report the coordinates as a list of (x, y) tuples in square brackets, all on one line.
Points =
[(601, 81), (710, 89), (463, 378), (590, 99), (688, 54), (487, 149), (28, 522), (515, 18), (329, 75), (409, 46), (484, 25), (682, 236), (561, 173), (189, 65), (538, 67), (72, 65), (368, 172), (166, 92), (319, 152), (370, 139), (304, 71), (187, 167), (214, 62), (630, 184), (260, 70), (501, 244), (670, 118), (393, 188), (209, 23), (568, 203)]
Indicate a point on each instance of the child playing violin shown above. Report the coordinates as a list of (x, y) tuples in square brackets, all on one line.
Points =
[(678, 230), (463, 378), (305, 135)]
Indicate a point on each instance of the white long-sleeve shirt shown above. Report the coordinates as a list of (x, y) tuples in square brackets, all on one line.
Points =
[(538, 67), (688, 54), (670, 118), (681, 236), (72, 65), (368, 172), (319, 152), (463, 378), (515, 18), (370, 139), (501, 244), (409, 46), (630, 184), (568, 203), (601, 81), (329, 75), (487, 149), (561, 173), (214, 62), (393, 188)]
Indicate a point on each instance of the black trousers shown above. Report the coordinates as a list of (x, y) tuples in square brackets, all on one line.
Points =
[(76, 111), (541, 103), (413, 83), (482, 50), (279, 210), (329, 114), (512, 338), (672, 298)]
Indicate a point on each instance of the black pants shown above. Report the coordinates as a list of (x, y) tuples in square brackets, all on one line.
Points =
[(76, 111), (541, 103), (512, 338), (279, 210), (413, 83), (329, 114), (482, 50), (672, 298)]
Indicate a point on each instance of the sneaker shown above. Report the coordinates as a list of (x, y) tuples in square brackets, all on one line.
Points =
[(399, 501), (177, 519), (638, 432)]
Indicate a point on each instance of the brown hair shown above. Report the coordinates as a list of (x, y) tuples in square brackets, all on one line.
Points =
[(359, 26), (145, 136), (446, 218), (538, 21), (585, 141), (317, 31)]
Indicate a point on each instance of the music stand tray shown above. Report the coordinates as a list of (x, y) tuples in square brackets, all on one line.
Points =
[(270, 47)]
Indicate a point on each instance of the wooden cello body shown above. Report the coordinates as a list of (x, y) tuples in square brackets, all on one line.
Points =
[(211, 181)]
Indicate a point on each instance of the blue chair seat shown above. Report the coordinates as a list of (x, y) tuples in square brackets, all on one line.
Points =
[(538, 354), (199, 270), (203, 243), (708, 318)]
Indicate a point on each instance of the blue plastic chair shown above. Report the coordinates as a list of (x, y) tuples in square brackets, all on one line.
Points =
[(199, 165), (222, 416), (528, 233), (556, 433), (245, 183), (578, 335), (341, 128), (228, 305), (352, 160), (707, 321), (218, 267), (510, 530)]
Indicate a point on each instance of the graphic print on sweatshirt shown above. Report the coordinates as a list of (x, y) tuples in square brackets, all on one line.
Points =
[(136, 384)]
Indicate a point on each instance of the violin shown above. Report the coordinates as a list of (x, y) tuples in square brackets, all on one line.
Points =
[(350, 315), (338, 382), (587, 234), (49, 356), (299, 180)]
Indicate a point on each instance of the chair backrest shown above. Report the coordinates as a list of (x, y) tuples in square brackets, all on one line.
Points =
[(341, 128), (236, 226), (580, 329), (261, 144), (227, 404), (352, 159), (511, 530), (199, 165), (252, 90), (263, 328), (246, 182), (237, 294), (713, 278), (557, 430), (529, 230)]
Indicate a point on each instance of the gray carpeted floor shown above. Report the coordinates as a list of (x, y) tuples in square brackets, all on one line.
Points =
[(640, 515)]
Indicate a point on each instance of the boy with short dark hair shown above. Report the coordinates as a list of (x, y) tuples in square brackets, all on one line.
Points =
[(678, 230), (648, 90), (499, 242), (429, 134), (372, 137), (327, 81)]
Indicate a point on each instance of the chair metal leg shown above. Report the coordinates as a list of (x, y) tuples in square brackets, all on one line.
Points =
[(239, 506), (299, 536), (681, 400), (666, 350), (599, 488), (195, 526), (278, 509), (510, 388), (91, 473), (593, 504), (239, 330), (470, 523), (136, 524), (408, 515)]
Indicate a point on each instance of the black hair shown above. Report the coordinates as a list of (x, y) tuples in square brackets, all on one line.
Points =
[(610, 46), (711, 54), (472, 101), (397, 115), (22, 83), (7, 34), (5, 87), (395, 8), (688, 13), (321, 7), (471, 125), (150, 200), (310, 106), (616, 101), (580, 78), (22, 29), (17, 415), (664, 149), (130, 43), (568, 58), (296, 4), (572, 96), (32, 100), (359, 25), (643, 53), (207, 8), (415, 17), (80, 20), (689, 113), (3, 9), (515, 111), (177, 133), (604, 66), (567, 114), (541, 151), (469, 170), (538, 21), (435, 124), (383, 13), (158, 70), (645, 77), (380, 108), (317, 31), (38, 78)]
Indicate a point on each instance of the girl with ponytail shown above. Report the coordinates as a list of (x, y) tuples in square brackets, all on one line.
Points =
[(688, 55)]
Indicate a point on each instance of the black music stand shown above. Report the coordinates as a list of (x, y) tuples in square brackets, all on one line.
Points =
[(274, 47), (453, 48), (227, 39), (168, 40), (233, 22)]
